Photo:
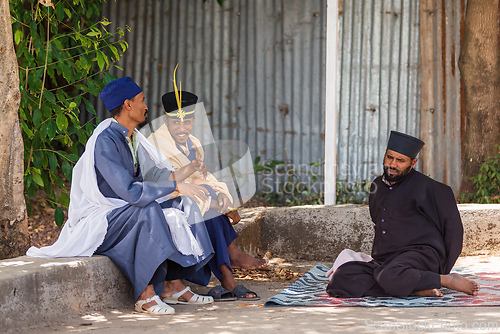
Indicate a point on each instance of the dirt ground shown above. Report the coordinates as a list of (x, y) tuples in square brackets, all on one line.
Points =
[(252, 317)]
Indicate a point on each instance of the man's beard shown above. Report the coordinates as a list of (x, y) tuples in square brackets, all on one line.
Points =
[(396, 177)]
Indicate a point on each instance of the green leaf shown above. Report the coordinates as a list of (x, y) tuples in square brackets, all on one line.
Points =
[(93, 34), (45, 159), (89, 127), (28, 179), (124, 46), (90, 108), (67, 72), (60, 11), (47, 185), (64, 199), (37, 178), (93, 89), (68, 12), (84, 62), (52, 129), (100, 60), (26, 130), (67, 169), (37, 117), (53, 161), (82, 137), (33, 29), (18, 36), (61, 96), (59, 216), (49, 96), (73, 157), (62, 122), (115, 51)]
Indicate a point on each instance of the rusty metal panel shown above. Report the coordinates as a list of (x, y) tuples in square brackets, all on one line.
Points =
[(379, 82), (441, 22), (380, 86), (257, 65)]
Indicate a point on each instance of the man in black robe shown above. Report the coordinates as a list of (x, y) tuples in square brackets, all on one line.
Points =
[(418, 233)]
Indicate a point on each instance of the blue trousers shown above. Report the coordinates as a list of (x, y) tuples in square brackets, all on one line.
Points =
[(222, 234)]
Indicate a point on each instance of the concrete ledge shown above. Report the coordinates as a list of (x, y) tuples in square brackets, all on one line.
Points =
[(321, 232), (39, 291)]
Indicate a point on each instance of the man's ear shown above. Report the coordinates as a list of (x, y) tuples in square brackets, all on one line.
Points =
[(127, 104), (414, 162)]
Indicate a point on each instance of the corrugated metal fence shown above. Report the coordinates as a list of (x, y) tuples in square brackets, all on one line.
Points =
[(258, 65), (379, 86)]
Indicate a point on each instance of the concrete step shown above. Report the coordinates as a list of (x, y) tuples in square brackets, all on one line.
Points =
[(320, 232), (35, 292)]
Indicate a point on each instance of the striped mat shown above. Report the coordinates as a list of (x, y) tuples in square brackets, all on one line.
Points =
[(310, 290)]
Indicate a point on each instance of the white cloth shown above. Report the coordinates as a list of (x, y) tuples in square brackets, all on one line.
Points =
[(86, 227), (345, 256)]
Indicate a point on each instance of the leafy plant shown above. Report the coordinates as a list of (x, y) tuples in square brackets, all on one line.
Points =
[(292, 186), (353, 192), (63, 51), (487, 182), (289, 186)]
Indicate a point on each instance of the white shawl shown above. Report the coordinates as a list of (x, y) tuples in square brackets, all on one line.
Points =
[(86, 227)]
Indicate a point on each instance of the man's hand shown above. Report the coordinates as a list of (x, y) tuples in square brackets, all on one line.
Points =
[(192, 190), (234, 216), (223, 202), (200, 167)]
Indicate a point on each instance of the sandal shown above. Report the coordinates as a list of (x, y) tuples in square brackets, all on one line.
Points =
[(159, 308), (195, 299), (219, 294), (241, 293)]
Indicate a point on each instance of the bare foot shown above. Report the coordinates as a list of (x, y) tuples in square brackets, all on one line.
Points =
[(147, 293), (459, 283), (171, 287), (241, 260), (428, 293), (228, 282)]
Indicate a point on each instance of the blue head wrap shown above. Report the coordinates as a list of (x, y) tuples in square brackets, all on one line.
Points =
[(117, 91)]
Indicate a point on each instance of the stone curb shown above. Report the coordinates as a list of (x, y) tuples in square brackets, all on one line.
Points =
[(37, 292), (322, 232)]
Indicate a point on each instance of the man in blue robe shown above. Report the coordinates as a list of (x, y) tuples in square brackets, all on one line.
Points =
[(120, 208), (175, 140)]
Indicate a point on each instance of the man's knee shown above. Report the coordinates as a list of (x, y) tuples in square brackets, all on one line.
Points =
[(352, 279), (397, 280)]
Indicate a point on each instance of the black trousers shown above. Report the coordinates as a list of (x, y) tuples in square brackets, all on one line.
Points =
[(398, 276)]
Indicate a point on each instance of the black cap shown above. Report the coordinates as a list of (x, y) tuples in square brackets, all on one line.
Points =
[(404, 144), (171, 107)]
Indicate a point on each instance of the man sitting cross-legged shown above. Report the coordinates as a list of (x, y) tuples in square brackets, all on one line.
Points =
[(175, 140), (418, 234)]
